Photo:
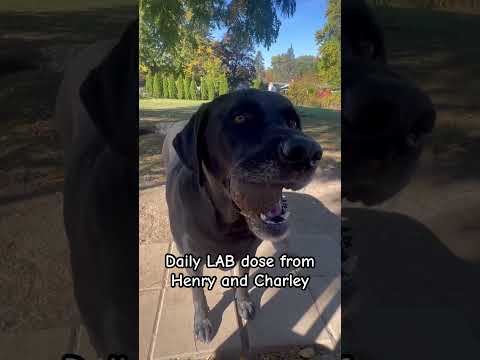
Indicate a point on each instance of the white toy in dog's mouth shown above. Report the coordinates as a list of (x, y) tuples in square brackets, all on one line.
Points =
[(278, 214)]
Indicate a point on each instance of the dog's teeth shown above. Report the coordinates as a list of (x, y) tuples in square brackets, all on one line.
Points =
[(263, 217), (286, 215)]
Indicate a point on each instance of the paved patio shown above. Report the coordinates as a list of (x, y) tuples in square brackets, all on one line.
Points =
[(284, 317)]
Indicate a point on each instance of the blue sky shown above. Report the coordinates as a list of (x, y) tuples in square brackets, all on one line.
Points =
[(299, 30)]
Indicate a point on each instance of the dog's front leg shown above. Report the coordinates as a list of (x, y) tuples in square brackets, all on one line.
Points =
[(202, 327), (245, 306)]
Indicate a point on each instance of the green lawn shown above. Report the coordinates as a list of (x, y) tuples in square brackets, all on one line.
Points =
[(323, 125)]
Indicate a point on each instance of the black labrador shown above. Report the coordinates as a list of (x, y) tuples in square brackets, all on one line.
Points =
[(97, 118), (226, 169), (386, 118)]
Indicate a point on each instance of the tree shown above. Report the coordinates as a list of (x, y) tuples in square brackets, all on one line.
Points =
[(304, 65), (258, 84), (179, 87), (259, 65), (172, 94), (156, 85), (210, 88), (237, 59), (186, 88), (223, 86), (193, 90), (165, 88), (149, 85), (269, 75), (283, 66), (329, 40), (203, 89), (163, 23)]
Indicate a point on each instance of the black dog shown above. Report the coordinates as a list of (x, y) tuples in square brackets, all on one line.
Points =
[(226, 169), (385, 117), (97, 117)]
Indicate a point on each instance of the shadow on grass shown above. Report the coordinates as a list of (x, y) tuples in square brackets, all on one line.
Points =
[(154, 116), (33, 49)]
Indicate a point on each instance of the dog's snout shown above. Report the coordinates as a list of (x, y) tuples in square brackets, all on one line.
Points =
[(300, 151)]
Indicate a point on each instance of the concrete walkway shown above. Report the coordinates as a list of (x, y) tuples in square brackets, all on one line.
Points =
[(284, 317)]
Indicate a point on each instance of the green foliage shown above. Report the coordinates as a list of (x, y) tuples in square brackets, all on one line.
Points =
[(167, 25), (223, 85), (283, 66), (304, 65), (210, 88), (193, 90), (172, 93), (259, 64), (329, 42), (203, 89), (149, 85), (179, 87), (333, 25), (306, 90), (258, 84), (165, 91), (156, 86), (329, 63), (186, 88)]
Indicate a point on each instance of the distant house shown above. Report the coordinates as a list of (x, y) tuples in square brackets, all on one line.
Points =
[(281, 87), (272, 87)]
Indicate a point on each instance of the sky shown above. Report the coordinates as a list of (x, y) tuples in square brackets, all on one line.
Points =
[(298, 31)]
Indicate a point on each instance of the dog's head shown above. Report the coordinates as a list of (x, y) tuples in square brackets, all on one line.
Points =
[(385, 117), (250, 146)]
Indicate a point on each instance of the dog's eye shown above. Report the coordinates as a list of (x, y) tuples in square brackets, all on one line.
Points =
[(239, 119), (366, 49), (292, 123)]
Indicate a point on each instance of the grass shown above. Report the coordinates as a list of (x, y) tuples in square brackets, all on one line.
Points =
[(61, 5), (323, 125)]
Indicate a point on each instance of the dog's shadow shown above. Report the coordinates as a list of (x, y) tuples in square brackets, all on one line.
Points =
[(408, 282), (291, 316)]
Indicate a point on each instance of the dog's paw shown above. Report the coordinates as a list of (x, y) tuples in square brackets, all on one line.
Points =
[(203, 330), (246, 308)]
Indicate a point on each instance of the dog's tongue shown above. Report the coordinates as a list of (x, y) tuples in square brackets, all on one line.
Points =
[(275, 211)]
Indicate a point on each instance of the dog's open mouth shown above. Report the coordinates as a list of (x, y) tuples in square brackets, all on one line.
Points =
[(278, 214)]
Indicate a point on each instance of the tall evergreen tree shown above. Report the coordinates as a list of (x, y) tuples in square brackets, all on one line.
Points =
[(165, 93), (171, 87), (179, 87), (156, 85), (193, 90), (203, 89), (186, 88), (148, 85), (223, 87), (210, 88)]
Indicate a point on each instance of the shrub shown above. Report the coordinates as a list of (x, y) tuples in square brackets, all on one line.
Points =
[(257, 83), (165, 87), (210, 88), (223, 86), (193, 90), (156, 86), (171, 87), (186, 88), (203, 89), (179, 87), (306, 90), (149, 85)]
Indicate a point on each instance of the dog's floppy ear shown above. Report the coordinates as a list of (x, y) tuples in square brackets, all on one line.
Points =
[(110, 94), (189, 143)]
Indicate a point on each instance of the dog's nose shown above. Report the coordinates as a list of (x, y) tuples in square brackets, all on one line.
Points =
[(300, 151)]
